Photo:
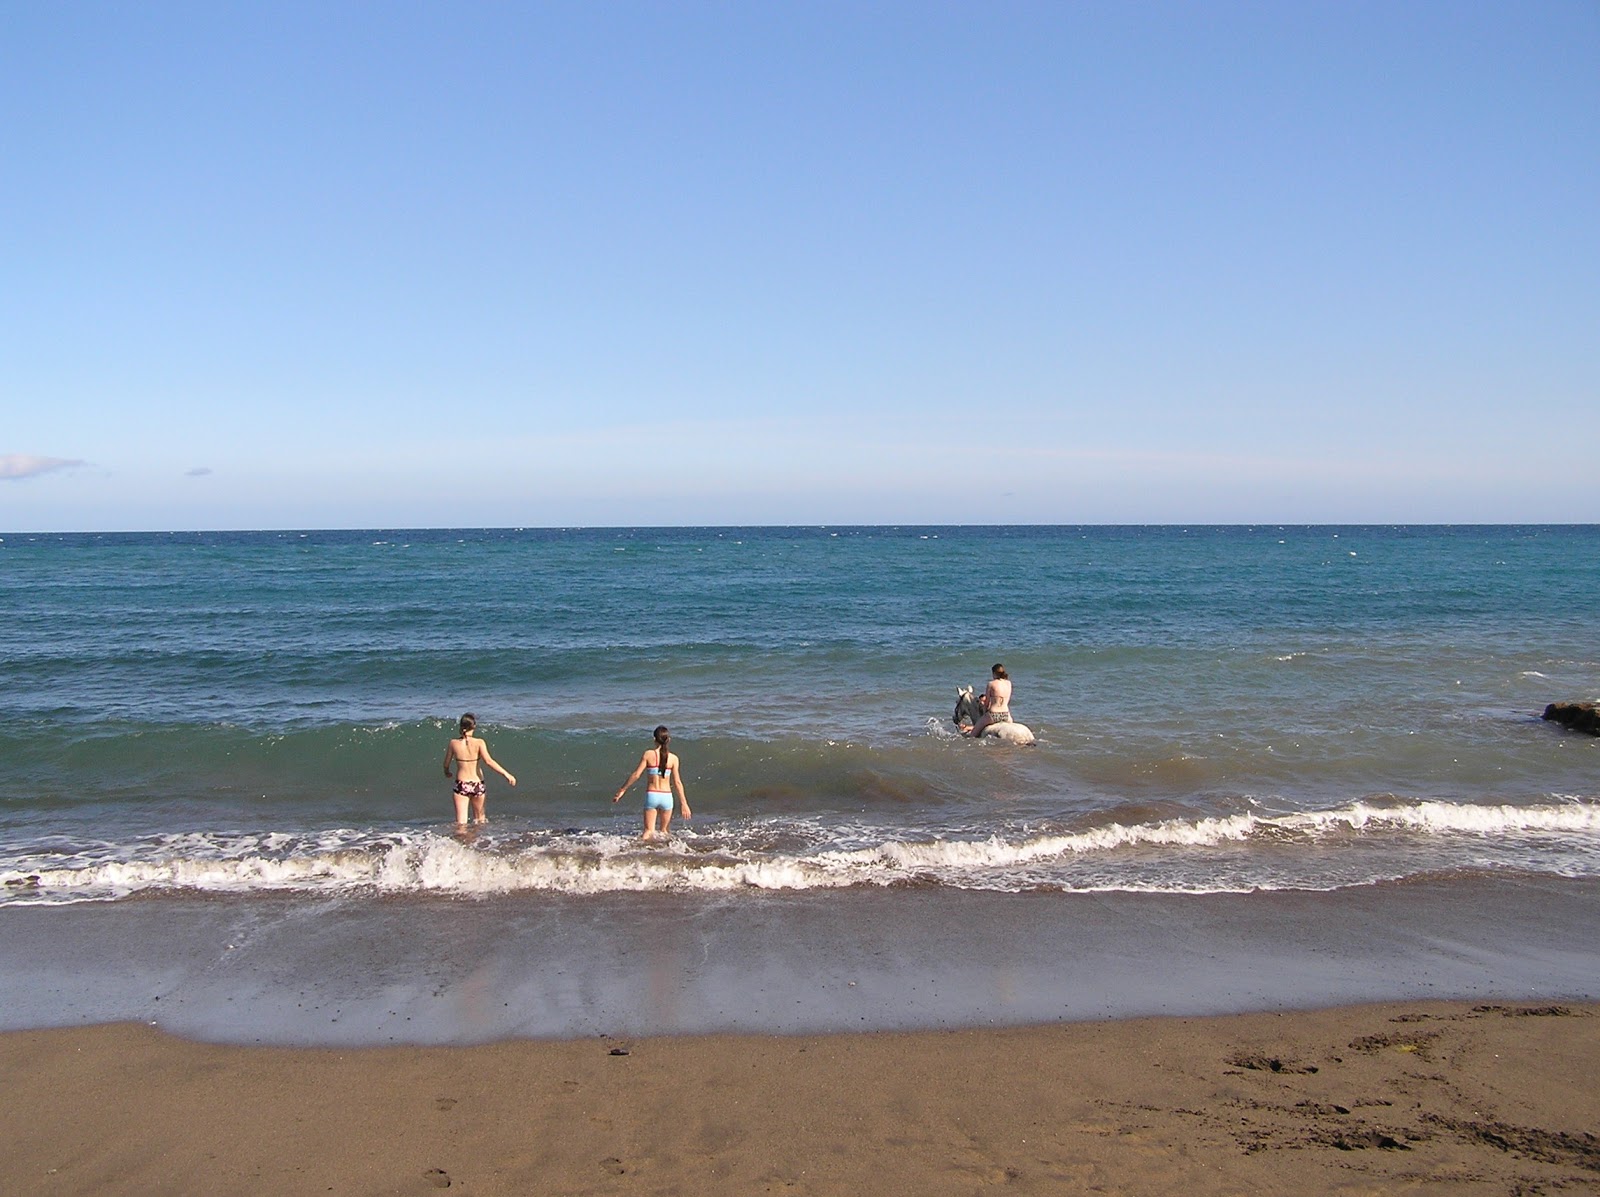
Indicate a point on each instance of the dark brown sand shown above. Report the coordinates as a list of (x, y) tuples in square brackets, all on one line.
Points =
[(1399, 1098)]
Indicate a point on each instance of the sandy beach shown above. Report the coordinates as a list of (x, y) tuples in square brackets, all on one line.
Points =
[(1415, 1097)]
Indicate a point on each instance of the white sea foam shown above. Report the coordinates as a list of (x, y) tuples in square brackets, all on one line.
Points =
[(1251, 850), (1449, 816)]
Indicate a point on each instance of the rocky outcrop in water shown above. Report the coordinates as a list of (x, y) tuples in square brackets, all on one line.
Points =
[(1579, 716)]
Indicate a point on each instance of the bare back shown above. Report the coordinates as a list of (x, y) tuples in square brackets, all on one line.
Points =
[(466, 752), (658, 779), (999, 693)]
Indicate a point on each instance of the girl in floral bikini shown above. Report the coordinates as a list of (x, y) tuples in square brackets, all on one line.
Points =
[(466, 754)]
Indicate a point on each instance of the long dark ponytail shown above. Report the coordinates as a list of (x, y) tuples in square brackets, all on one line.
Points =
[(663, 741)]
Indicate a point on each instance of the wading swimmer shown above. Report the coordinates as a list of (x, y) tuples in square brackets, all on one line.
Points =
[(995, 704), (660, 766), (465, 755)]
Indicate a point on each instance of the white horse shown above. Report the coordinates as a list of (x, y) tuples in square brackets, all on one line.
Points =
[(968, 710)]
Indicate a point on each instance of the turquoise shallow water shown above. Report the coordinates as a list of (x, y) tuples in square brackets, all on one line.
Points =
[(1219, 709)]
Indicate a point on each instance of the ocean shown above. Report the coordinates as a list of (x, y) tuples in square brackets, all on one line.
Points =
[(216, 728)]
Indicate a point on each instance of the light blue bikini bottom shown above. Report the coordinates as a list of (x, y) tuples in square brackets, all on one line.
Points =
[(657, 800)]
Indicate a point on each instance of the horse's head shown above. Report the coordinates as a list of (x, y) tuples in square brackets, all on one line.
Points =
[(966, 706)]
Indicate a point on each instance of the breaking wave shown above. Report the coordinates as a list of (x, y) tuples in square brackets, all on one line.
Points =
[(1362, 843)]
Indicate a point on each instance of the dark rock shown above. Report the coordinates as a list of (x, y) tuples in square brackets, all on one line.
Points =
[(1263, 1063), (1579, 716)]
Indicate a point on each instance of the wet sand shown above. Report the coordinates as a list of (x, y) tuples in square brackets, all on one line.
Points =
[(385, 972), (1415, 1097)]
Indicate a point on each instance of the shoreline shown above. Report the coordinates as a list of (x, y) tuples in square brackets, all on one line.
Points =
[(1431, 1097), (338, 973)]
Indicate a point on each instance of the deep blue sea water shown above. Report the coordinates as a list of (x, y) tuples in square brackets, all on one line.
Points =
[(1218, 709)]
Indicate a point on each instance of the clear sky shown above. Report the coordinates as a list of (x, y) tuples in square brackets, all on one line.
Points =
[(442, 264)]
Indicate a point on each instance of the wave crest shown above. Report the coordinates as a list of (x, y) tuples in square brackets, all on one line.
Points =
[(1252, 850)]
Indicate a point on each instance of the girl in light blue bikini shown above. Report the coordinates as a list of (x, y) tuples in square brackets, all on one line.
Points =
[(660, 764)]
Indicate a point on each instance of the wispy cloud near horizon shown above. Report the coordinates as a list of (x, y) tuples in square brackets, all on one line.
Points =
[(198, 472), (14, 466)]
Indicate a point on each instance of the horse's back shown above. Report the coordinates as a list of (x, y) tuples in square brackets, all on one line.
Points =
[(1010, 733)]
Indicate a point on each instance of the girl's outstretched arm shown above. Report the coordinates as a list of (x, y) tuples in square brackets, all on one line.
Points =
[(638, 772), (677, 784), (495, 765)]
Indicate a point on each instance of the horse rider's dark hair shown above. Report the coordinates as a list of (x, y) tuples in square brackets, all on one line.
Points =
[(998, 670)]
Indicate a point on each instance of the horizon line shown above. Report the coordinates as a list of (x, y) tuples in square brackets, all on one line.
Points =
[(436, 528)]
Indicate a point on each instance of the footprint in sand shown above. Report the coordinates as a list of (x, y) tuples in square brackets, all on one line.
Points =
[(613, 1165), (445, 1103), (438, 1177)]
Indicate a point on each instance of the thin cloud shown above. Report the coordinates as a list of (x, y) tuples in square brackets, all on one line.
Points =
[(198, 472), (28, 465)]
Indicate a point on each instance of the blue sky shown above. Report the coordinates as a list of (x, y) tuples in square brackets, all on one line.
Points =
[(339, 265)]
